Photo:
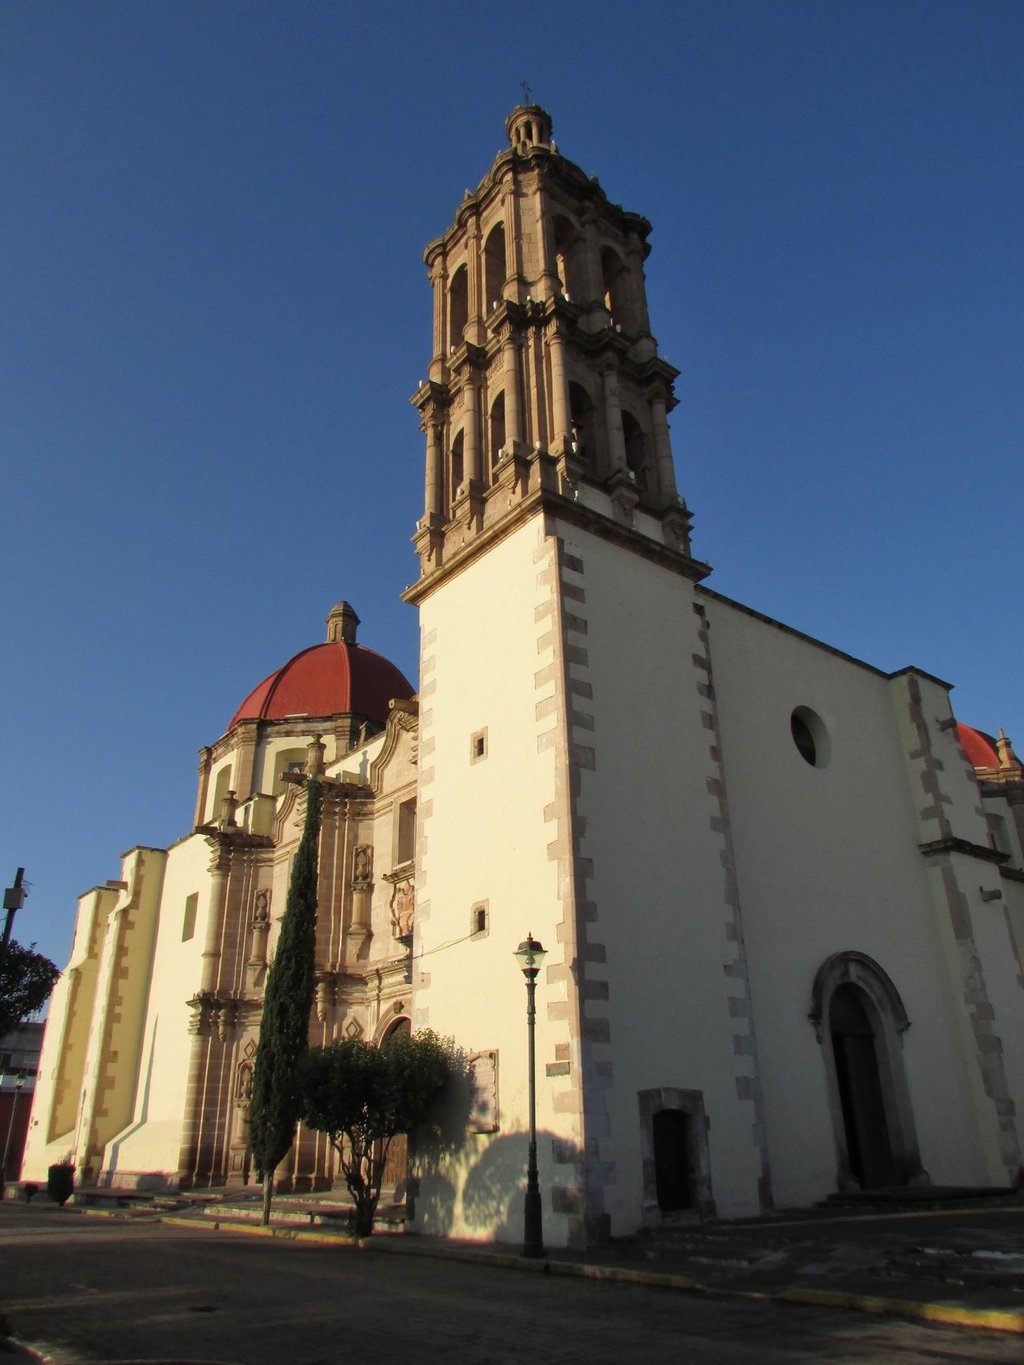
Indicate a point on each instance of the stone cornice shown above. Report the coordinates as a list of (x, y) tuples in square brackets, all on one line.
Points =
[(545, 499), (233, 839), (552, 167), (951, 844)]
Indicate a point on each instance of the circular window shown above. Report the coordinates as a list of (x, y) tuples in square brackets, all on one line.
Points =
[(810, 736)]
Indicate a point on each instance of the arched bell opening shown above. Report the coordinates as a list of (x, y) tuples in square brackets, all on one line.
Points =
[(860, 1020), (495, 268), (638, 455), (496, 432), (615, 289), (456, 470), (458, 308), (568, 247), (584, 428)]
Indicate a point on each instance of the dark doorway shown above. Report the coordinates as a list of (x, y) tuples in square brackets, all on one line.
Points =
[(673, 1169), (860, 1090)]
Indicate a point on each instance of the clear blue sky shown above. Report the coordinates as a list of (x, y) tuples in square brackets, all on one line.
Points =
[(214, 311)]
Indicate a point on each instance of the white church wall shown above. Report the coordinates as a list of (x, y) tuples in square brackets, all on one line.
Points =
[(828, 862), (150, 1141), (964, 881), (55, 1101), (998, 942), (659, 883), (122, 986), (1006, 921), (484, 829)]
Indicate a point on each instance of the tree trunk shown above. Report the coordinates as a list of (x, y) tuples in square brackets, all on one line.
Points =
[(268, 1190), (366, 1207)]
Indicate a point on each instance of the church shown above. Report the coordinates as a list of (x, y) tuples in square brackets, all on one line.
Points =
[(780, 891)]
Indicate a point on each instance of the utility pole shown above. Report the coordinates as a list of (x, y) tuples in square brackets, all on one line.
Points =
[(14, 899)]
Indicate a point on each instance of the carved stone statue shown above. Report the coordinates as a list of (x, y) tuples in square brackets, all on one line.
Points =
[(403, 906)]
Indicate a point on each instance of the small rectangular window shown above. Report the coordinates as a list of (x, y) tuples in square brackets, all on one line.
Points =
[(479, 920), (406, 840), (478, 745), (188, 924)]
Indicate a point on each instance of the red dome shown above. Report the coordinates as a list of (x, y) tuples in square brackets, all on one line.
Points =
[(979, 747), (333, 679)]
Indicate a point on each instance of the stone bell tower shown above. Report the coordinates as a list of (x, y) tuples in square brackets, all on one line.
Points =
[(545, 377), (568, 776)]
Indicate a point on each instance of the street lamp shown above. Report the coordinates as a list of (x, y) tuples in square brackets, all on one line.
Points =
[(530, 954)]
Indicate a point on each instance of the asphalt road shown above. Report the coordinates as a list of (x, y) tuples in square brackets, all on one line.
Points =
[(81, 1289)]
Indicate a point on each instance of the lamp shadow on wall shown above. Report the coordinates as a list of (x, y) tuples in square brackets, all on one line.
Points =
[(457, 1143), (493, 1188)]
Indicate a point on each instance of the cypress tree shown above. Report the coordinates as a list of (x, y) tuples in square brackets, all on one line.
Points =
[(287, 1001)]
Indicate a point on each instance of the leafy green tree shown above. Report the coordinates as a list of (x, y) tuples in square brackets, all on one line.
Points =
[(361, 1096), (287, 1001), (26, 981)]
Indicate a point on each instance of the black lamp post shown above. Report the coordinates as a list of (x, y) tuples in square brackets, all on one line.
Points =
[(530, 954)]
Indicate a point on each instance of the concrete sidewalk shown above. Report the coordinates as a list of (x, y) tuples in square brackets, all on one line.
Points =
[(960, 1266)]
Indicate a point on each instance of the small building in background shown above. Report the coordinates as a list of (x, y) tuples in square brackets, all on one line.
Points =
[(19, 1066)]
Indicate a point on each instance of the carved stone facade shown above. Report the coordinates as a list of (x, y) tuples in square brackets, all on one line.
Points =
[(207, 913)]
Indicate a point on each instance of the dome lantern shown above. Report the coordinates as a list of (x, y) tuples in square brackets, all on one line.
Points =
[(342, 624)]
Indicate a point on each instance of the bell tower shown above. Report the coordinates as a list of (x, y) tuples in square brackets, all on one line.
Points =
[(568, 780), (545, 380)]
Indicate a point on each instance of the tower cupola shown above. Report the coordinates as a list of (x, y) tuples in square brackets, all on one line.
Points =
[(528, 126)]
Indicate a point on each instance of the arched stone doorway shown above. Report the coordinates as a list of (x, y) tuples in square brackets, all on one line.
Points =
[(859, 1018)]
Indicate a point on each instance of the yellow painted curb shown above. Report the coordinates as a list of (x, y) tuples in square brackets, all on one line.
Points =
[(286, 1234), (950, 1314)]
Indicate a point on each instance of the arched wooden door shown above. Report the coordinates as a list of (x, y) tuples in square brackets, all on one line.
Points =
[(860, 1021), (860, 1090)]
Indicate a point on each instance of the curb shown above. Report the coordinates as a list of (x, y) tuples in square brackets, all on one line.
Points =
[(945, 1314), (948, 1314)]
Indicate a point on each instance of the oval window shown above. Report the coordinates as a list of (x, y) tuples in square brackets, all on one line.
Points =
[(810, 736)]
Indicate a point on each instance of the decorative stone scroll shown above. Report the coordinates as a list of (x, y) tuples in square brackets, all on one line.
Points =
[(362, 865)]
